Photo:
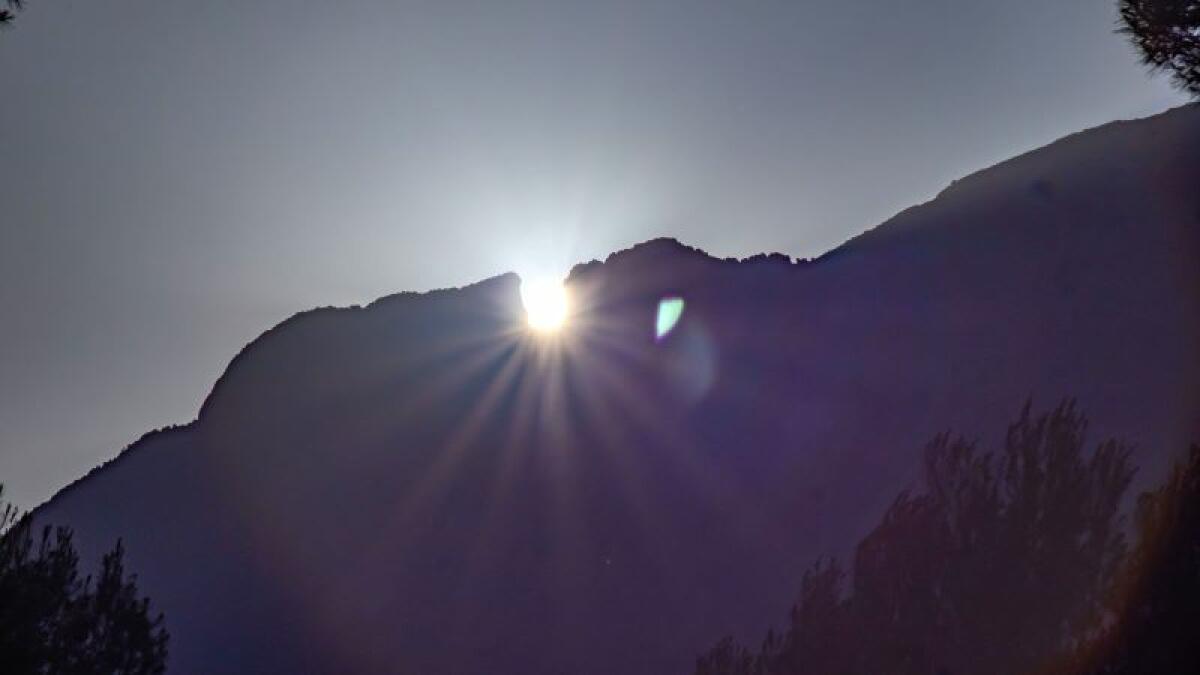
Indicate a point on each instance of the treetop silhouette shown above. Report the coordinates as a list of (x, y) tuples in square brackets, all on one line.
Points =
[(996, 566), (1167, 34), (53, 621)]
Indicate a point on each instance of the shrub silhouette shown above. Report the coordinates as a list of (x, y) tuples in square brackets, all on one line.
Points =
[(1167, 34), (997, 566), (52, 621)]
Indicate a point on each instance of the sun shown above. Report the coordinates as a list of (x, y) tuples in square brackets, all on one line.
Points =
[(546, 303)]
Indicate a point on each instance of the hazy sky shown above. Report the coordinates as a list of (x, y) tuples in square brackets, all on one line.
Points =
[(176, 177)]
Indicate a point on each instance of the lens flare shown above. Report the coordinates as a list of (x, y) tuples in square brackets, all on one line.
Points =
[(669, 311), (546, 304)]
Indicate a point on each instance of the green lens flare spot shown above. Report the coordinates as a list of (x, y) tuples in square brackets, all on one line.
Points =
[(669, 311)]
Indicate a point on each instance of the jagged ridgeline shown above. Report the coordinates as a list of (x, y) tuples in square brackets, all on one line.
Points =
[(422, 486)]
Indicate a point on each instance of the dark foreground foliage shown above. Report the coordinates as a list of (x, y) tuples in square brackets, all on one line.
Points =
[(1156, 628), (1004, 563), (1167, 34), (53, 621)]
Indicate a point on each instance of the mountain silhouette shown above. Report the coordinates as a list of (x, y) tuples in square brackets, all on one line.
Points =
[(422, 485)]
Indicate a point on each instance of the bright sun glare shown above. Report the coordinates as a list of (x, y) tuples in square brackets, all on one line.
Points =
[(546, 303)]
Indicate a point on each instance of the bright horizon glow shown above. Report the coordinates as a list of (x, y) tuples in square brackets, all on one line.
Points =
[(546, 303)]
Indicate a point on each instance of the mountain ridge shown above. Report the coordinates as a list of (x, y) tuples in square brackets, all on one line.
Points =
[(953, 189), (420, 485)]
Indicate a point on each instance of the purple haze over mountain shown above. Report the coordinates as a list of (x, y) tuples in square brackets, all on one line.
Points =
[(421, 486)]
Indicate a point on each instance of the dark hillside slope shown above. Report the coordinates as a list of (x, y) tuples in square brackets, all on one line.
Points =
[(420, 486)]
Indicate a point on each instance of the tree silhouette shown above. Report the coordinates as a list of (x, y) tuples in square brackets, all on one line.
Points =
[(998, 565), (8, 14), (1167, 34), (729, 658), (1157, 598), (52, 621)]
